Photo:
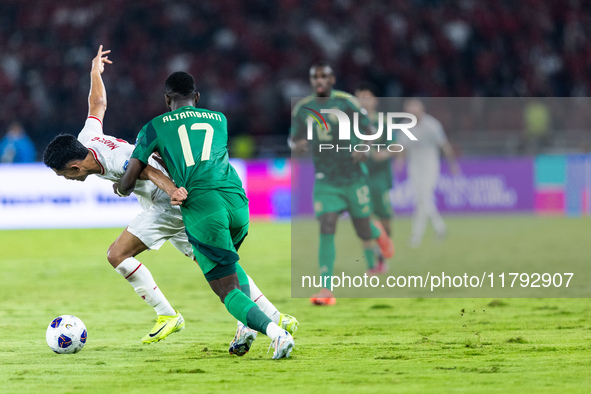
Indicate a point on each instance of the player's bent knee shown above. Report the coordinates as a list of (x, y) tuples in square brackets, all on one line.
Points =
[(223, 292), (328, 223), (115, 256), (363, 229), (223, 280), (364, 235), (222, 288), (327, 228)]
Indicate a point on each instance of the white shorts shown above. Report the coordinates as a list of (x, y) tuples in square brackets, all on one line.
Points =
[(156, 225), (423, 180)]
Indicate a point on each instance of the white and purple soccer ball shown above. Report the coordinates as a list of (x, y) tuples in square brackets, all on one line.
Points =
[(66, 334)]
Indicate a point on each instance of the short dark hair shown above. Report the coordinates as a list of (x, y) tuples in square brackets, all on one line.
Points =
[(63, 149), (181, 83), (370, 87)]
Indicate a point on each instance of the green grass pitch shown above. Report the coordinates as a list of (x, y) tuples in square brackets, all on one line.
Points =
[(359, 345)]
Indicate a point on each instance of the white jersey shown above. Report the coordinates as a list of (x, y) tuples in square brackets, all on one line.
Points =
[(423, 154), (113, 155)]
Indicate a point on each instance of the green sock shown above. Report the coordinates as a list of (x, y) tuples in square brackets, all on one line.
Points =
[(243, 280), (257, 320), (326, 256), (245, 310), (369, 257), (375, 232)]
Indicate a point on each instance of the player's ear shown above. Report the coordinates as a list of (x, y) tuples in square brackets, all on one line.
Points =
[(197, 97), (167, 99)]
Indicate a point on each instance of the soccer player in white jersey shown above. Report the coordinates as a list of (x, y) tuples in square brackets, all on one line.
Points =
[(107, 157), (423, 169)]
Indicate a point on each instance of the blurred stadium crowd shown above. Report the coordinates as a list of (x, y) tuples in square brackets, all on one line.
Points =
[(250, 58)]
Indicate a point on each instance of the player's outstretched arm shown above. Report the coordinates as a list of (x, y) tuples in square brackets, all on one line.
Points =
[(97, 98), (448, 151), (127, 182)]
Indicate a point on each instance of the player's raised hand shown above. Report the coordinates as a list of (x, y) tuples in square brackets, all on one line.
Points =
[(178, 196), (98, 63)]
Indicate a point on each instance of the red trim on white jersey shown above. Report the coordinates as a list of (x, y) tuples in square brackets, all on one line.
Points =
[(94, 117), (136, 268), (97, 160)]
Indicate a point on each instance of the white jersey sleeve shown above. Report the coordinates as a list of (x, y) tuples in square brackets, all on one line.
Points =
[(92, 128), (113, 154)]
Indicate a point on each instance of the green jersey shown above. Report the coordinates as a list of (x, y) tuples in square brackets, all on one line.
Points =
[(381, 170), (193, 144), (335, 166)]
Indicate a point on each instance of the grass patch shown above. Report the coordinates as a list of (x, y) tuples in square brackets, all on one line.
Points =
[(358, 345)]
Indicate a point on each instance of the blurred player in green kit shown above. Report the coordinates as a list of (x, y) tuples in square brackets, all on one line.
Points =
[(340, 174), (192, 142), (379, 165)]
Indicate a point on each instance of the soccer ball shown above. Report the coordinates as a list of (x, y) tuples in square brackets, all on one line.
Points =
[(66, 334)]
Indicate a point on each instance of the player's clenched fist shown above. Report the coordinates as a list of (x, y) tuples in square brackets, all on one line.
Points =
[(178, 196)]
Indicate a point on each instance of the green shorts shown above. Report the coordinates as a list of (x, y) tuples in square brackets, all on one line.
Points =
[(353, 198), (216, 223), (380, 197)]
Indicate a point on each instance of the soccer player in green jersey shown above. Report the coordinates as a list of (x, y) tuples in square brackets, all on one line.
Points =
[(341, 176), (94, 153), (379, 165), (193, 144)]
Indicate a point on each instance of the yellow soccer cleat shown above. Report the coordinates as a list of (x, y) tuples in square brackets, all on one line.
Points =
[(288, 323), (165, 325)]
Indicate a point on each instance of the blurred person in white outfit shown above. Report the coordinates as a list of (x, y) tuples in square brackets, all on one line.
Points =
[(423, 168)]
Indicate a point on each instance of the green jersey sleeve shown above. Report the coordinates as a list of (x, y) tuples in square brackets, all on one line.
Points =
[(146, 143), (298, 122)]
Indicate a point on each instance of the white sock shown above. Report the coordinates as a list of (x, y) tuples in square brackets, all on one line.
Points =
[(273, 331), (139, 276), (263, 303)]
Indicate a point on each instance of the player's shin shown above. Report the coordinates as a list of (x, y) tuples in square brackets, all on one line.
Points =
[(368, 252), (326, 256), (263, 303), (140, 278), (376, 229), (251, 290), (243, 280)]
